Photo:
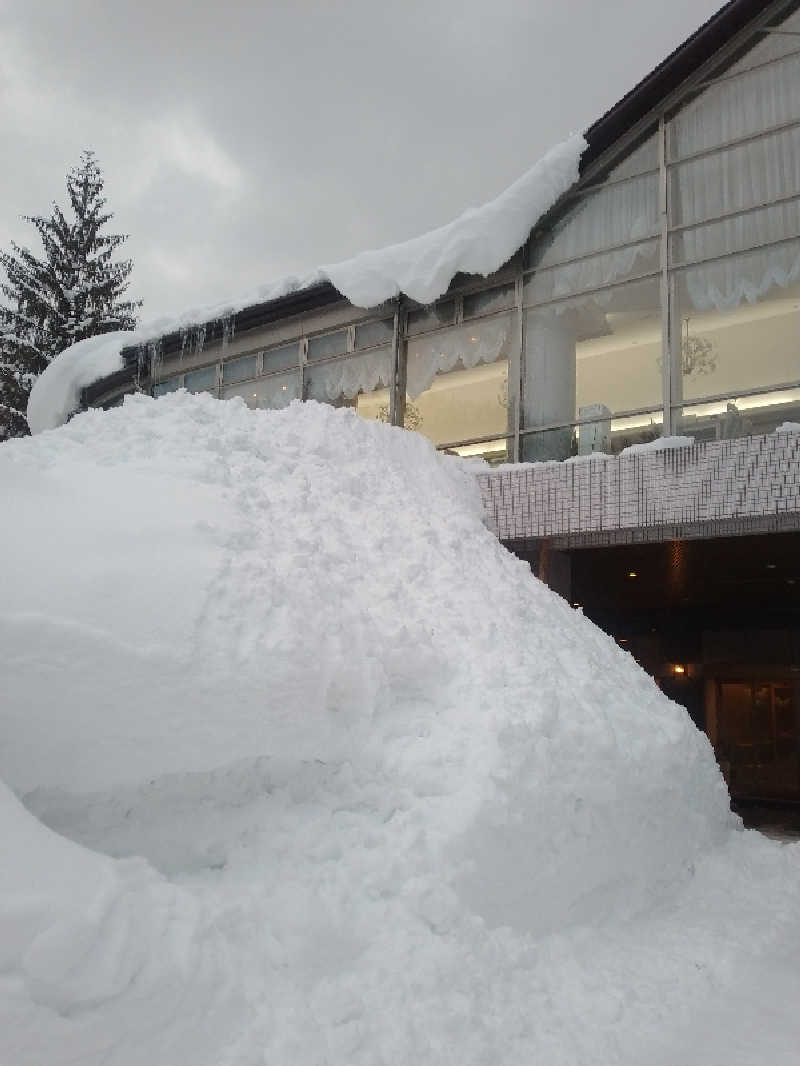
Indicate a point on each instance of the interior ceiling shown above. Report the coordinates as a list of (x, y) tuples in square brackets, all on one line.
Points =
[(762, 570)]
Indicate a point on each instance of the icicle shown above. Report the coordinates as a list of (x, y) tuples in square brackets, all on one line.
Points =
[(154, 352), (199, 339), (227, 329), (184, 340)]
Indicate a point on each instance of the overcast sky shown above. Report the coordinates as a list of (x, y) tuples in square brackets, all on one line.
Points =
[(243, 141)]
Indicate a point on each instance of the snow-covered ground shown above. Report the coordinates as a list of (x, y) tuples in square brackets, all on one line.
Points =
[(304, 768)]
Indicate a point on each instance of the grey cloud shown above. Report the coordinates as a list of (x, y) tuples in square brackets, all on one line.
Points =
[(243, 141)]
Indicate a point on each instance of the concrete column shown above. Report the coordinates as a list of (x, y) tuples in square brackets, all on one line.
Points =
[(549, 384)]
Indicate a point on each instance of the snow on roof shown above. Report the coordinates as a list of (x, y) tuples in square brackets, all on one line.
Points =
[(479, 241)]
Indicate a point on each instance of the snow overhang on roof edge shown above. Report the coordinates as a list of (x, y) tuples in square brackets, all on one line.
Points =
[(479, 242)]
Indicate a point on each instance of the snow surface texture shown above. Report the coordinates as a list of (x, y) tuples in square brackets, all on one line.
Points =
[(479, 241), (344, 783)]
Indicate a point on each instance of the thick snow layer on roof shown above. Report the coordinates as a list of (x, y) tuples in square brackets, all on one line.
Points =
[(56, 393), (394, 800), (479, 241)]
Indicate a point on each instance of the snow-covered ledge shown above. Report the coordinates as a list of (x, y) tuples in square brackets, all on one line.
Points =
[(656, 491)]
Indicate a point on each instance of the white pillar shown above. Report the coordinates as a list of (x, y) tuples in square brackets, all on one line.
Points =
[(549, 384)]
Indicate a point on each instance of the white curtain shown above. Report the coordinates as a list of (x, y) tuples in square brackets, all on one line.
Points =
[(614, 215), (348, 377), (758, 172), (272, 392), (468, 345)]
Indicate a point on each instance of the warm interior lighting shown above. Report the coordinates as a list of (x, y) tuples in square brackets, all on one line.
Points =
[(623, 640), (678, 669), (632, 573), (576, 605)]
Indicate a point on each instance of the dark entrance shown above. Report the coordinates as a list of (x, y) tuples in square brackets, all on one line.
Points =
[(716, 622)]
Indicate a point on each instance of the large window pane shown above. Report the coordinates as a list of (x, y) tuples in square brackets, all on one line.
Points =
[(500, 298), (588, 359), (239, 369), (751, 230), (199, 380), (372, 333), (457, 384), (739, 325), (749, 175), (359, 381), (614, 215), (329, 344), (282, 358), (275, 391), (169, 385), (427, 318), (736, 107), (597, 271)]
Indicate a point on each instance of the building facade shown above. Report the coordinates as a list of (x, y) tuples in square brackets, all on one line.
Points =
[(660, 297)]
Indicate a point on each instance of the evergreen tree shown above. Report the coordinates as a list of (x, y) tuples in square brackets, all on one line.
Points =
[(75, 291)]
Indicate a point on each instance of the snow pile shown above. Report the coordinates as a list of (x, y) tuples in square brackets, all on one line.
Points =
[(660, 444), (394, 800), (479, 241)]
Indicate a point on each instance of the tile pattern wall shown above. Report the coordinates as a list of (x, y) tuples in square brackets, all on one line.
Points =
[(699, 485)]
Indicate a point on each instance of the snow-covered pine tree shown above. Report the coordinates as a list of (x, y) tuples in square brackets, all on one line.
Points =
[(75, 291)]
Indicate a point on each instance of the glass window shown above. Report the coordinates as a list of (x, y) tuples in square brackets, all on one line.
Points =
[(198, 380), (169, 385), (428, 318), (747, 176), (739, 325), (273, 392), (327, 345), (457, 385), (484, 303), (612, 216), (589, 359), (751, 230), (639, 160), (594, 272), (373, 333), (359, 381), (282, 358), (736, 107), (240, 369)]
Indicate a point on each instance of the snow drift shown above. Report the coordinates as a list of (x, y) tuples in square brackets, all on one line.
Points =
[(375, 773), (479, 241)]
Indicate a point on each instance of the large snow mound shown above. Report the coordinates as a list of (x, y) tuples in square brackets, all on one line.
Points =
[(479, 241), (381, 782)]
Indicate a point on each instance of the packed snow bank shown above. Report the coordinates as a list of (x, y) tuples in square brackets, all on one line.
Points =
[(479, 241), (394, 781)]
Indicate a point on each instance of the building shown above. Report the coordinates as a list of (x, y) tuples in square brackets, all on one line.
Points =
[(659, 297)]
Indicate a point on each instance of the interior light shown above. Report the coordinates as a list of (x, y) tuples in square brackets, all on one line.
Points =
[(283, 388), (632, 573), (770, 566), (678, 669), (576, 605), (623, 640)]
